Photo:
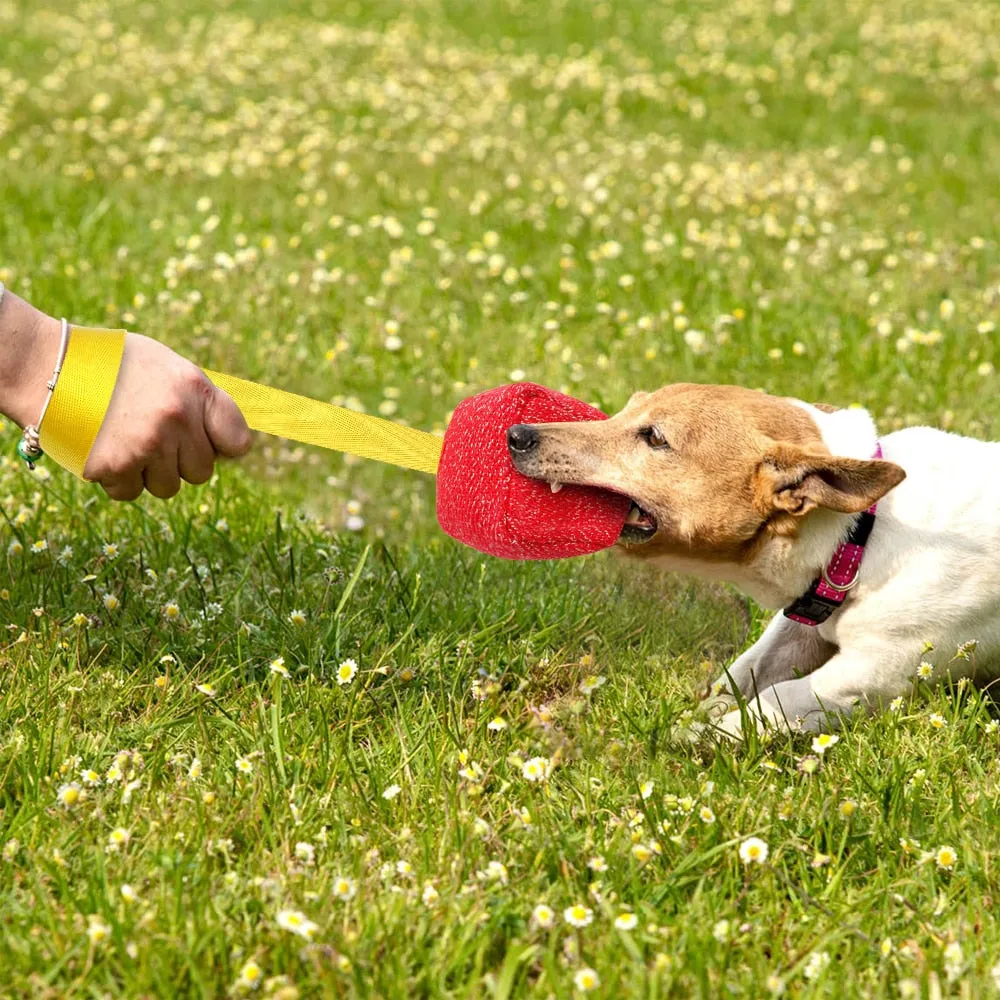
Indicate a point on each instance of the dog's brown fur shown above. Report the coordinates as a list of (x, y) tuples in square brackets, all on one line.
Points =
[(741, 467)]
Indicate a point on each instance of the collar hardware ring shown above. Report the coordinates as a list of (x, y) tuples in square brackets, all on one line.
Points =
[(841, 588)]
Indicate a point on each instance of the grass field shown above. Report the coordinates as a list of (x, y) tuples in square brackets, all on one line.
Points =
[(395, 205)]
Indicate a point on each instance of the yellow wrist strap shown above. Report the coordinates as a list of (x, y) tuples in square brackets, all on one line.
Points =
[(87, 381)]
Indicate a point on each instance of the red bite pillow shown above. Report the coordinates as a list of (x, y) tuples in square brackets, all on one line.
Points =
[(483, 501)]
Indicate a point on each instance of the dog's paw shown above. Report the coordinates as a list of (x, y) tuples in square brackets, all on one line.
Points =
[(716, 705), (730, 726), (702, 724), (688, 731), (735, 725)]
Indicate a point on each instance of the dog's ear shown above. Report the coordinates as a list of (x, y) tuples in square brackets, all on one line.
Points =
[(796, 480), (636, 397)]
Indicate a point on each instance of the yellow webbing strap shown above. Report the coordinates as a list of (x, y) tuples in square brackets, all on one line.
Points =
[(82, 394), (309, 421), (87, 381)]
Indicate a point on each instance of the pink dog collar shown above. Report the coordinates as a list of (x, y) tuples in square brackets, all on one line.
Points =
[(828, 591)]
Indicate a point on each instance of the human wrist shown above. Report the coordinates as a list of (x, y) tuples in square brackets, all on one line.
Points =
[(29, 348)]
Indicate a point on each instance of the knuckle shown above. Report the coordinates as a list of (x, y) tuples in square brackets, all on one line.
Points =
[(96, 471), (118, 468), (173, 410), (147, 444), (195, 381)]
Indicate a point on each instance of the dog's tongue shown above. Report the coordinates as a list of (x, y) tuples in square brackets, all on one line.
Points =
[(483, 501)]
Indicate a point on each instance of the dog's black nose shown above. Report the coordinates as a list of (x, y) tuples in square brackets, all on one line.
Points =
[(522, 438)]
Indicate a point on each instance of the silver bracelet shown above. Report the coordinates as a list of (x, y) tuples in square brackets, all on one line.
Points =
[(29, 447)]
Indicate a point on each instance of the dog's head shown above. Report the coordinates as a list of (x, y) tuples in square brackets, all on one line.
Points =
[(712, 471)]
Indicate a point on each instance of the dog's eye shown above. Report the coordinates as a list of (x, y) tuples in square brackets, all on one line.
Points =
[(653, 436)]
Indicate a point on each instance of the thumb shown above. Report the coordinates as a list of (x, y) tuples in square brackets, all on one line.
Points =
[(225, 426)]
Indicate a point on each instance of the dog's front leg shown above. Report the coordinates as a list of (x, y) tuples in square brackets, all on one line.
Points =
[(785, 650), (851, 680)]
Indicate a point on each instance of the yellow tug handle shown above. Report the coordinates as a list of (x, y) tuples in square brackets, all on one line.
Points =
[(87, 381)]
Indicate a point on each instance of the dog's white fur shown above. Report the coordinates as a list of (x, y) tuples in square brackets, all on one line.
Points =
[(927, 584)]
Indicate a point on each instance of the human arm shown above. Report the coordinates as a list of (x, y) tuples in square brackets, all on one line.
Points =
[(166, 421)]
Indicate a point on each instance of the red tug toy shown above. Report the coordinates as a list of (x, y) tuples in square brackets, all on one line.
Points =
[(483, 501)]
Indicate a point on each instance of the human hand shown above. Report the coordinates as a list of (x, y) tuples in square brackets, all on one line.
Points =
[(166, 422)]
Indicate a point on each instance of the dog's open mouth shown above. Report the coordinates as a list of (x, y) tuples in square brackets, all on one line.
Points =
[(639, 527)]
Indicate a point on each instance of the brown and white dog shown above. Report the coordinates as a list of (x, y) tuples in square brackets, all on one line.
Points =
[(762, 492)]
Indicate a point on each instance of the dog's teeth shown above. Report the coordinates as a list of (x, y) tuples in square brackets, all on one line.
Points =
[(555, 487)]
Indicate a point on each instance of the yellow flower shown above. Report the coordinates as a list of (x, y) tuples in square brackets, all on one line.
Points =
[(626, 921), (343, 888), (586, 980), (119, 837), (536, 769), (346, 672), (70, 794), (591, 683), (208, 690), (543, 916), (753, 850), (297, 618), (128, 893), (823, 742), (97, 930), (946, 857), (297, 923), (847, 808), (250, 976), (578, 915)]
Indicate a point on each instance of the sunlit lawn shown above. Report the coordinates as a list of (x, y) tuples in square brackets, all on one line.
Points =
[(281, 735)]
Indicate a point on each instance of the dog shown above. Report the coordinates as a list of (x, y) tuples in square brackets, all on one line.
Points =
[(883, 551)]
